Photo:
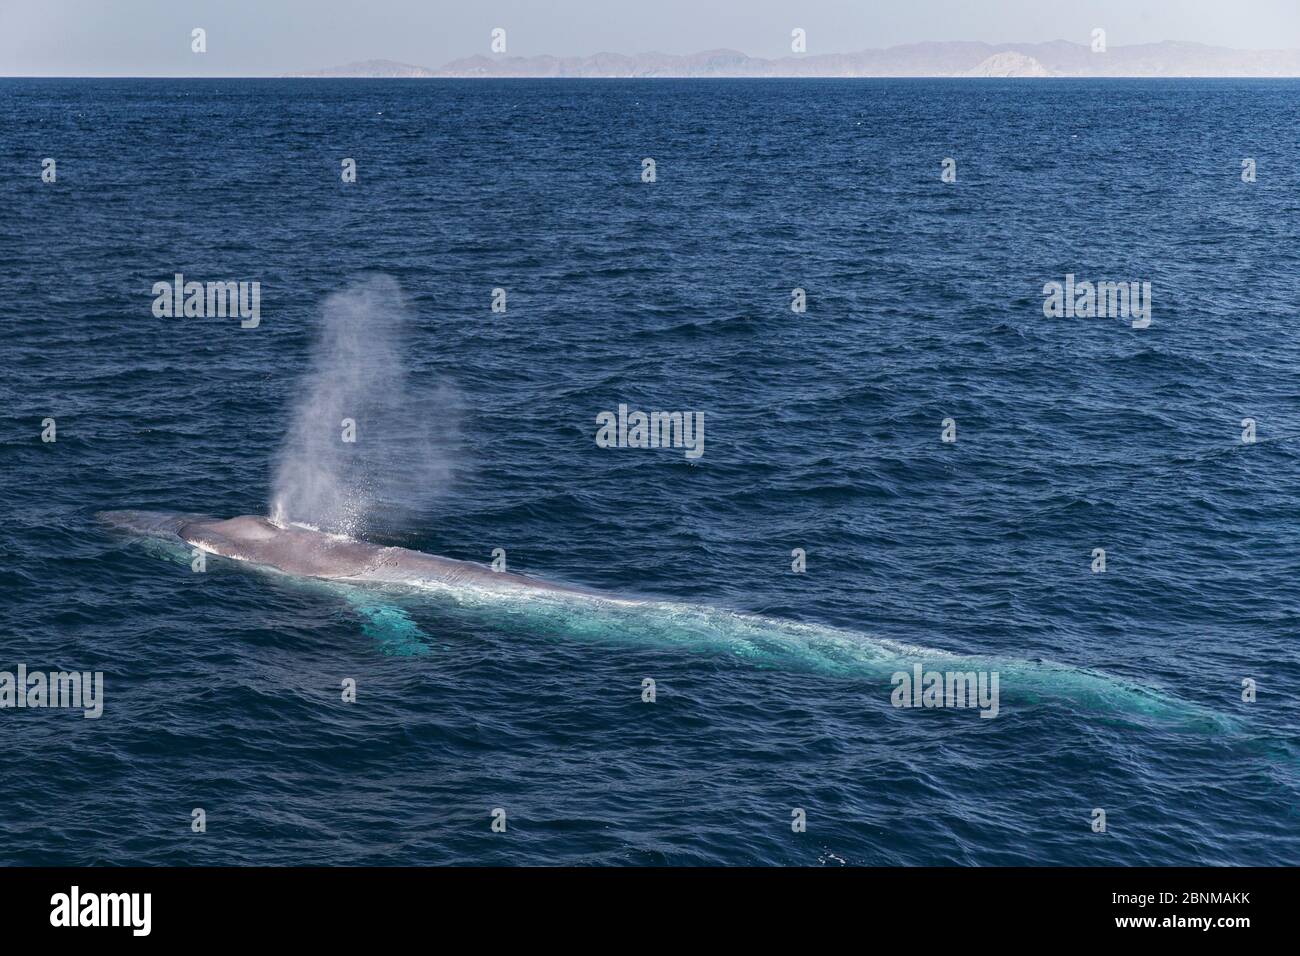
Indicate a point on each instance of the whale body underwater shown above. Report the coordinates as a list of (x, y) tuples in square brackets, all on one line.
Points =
[(513, 601)]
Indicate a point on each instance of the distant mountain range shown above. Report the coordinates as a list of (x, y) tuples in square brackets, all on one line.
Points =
[(1057, 58)]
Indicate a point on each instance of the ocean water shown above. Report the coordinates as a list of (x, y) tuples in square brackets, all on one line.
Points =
[(1120, 690)]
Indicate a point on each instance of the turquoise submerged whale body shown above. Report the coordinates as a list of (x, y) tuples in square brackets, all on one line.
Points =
[(375, 579)]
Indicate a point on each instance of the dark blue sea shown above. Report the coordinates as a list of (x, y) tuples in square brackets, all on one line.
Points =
[(1121, 690)]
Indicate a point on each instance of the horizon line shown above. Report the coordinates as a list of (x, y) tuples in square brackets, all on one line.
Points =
[(619, 79), (1181, 59)]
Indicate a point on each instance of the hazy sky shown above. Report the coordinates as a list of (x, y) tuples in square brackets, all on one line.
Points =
[(270, 37)]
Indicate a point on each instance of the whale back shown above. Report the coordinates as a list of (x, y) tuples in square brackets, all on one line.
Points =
[(310, 553)]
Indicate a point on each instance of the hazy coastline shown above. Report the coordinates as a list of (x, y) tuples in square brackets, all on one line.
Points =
[(1058, 58)]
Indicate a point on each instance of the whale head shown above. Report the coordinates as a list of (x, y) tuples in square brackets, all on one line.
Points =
[(292, 549)]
